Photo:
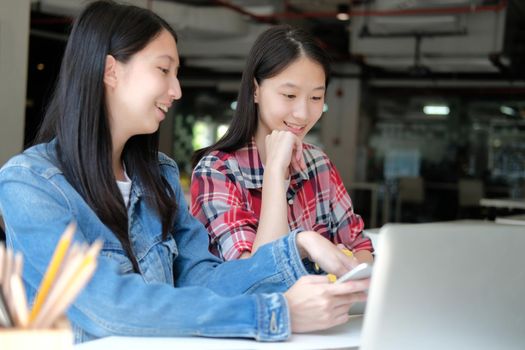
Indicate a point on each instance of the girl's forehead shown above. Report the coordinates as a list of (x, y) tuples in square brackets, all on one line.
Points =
[(302, 71), (162, 46)]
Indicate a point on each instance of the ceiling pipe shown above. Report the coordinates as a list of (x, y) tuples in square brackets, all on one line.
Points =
[(500, 6), (275, 18), (239, 9)]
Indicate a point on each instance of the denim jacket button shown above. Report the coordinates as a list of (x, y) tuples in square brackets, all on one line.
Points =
[(273, 323)]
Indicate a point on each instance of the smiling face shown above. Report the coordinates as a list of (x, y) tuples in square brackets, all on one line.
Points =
[(292, 100), (140, 91)]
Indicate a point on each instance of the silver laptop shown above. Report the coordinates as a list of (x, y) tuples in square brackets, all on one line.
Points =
[(457, 285)]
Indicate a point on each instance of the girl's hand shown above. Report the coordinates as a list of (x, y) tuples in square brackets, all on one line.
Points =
[(323, 252), (317, 304), (284, 150)]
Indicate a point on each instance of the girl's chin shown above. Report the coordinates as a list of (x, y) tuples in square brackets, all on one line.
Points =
[(160, 115)]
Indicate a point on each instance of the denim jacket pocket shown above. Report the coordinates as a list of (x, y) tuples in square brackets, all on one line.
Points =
[(119, 256), (172, 253), (156, 263), (172, 248)]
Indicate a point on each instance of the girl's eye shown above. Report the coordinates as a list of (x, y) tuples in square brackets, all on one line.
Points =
[(164, 70), (317, 98), (289, 96)]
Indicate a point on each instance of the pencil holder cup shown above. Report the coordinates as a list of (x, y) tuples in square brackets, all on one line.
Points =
[(59, 337)]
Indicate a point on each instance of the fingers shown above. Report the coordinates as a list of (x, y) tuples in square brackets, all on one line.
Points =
[(286, 148), (298, 155), (342, 262), (341, 318), (325, 253), (349, 262), (343, 303), (295, 165), (317, 304), (315, 279), (351, 287)]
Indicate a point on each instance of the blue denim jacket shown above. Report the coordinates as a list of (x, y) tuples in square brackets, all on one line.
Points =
[(181, 290)]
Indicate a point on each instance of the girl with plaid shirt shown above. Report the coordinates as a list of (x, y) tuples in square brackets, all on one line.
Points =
[(261, 180)]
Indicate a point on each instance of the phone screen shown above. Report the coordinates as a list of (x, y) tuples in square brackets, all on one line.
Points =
[(361, 271)]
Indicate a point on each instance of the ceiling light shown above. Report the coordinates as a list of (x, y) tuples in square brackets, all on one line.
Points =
[(342, 12), (507, 111), (436, 110)]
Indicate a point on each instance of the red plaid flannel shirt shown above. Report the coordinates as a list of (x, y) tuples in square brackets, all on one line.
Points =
[(226, 191)]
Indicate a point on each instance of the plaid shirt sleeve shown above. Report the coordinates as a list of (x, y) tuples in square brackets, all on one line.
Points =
[(216, 201), (349, 225)]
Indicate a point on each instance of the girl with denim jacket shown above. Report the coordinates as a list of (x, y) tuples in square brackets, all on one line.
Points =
[(97, 163)]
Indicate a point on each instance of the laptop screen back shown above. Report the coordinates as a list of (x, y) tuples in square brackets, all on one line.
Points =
[(454, 285)]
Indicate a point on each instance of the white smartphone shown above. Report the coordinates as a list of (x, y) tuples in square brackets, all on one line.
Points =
[(359, 272)]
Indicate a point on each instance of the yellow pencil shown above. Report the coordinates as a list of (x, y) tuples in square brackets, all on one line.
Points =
[(69, 268), (70, 294), (73, 278), (51, 272)]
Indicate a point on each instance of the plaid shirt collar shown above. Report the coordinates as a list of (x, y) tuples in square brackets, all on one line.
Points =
[(252, 169)]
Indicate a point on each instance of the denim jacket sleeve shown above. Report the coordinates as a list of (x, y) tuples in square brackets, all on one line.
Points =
[(274, 267), (210, 298)]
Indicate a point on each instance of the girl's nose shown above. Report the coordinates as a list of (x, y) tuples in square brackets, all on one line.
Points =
[(175, 92), (300, 111)]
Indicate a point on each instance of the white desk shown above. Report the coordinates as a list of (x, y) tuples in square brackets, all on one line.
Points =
[(346, 336), (509, 203), (511, 219)]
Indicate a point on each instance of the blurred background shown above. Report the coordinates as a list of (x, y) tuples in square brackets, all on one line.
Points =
[(424, 115)]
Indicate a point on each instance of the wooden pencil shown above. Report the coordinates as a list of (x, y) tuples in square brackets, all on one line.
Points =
[(74, 279), (5, 316), (52, 269), (70, 267), (69, 295), (18, 294)]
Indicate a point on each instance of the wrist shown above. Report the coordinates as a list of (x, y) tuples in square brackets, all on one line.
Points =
[(276, 181), (303, 242), (274, 172)]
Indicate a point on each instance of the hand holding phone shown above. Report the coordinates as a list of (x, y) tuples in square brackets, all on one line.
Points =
[(359, 272)]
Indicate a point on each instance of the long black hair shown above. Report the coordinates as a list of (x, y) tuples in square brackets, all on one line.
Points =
[(273, 51), (77, 117)]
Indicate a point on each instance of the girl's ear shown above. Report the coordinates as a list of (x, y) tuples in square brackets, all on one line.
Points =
[(110, 71), (255, 91)]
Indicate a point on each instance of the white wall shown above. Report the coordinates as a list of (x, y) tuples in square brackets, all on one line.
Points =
[(14, 45)]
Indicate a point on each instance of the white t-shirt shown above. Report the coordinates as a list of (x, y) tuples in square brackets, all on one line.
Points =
[(125, 188)]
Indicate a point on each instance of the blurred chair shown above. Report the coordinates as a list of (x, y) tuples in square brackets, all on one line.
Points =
[(470, 192), (410, 190)]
